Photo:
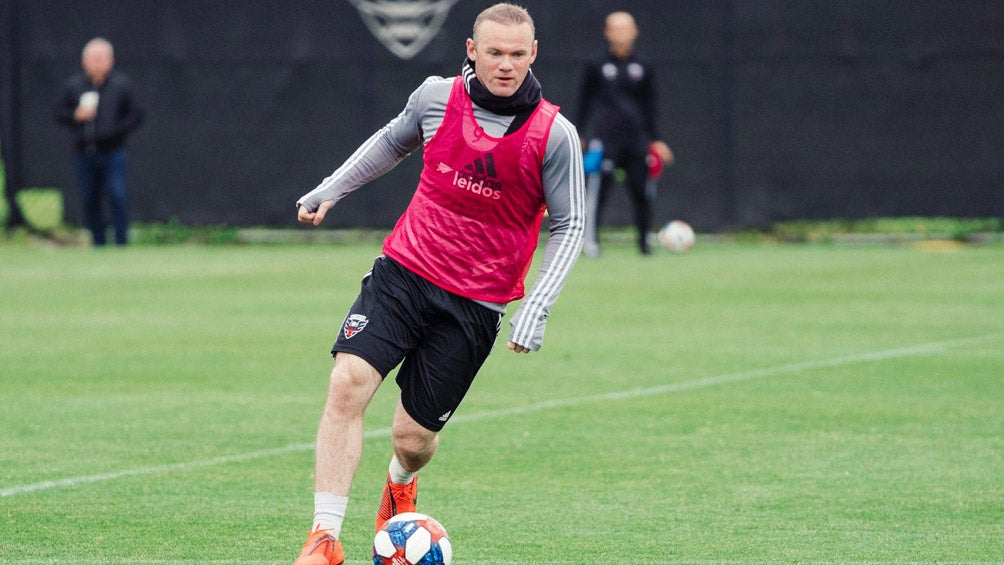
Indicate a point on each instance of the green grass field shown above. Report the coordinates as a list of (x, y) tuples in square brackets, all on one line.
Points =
[(737, 404)]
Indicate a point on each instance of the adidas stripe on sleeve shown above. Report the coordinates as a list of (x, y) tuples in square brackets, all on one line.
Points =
[(377, 155), (564, 190)]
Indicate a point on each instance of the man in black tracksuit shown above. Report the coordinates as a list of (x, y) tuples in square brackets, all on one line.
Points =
[(618, 93)]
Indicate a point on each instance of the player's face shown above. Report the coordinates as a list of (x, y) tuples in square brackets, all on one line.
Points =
[(502, 56)]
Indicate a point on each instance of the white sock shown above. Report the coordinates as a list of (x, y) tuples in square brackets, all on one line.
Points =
[(398, 474), (329, 512)]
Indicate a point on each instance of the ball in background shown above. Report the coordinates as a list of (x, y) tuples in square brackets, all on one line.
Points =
[(412, 538), (677, 236)]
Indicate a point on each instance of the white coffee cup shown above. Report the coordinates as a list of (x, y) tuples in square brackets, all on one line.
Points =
[(89, 99)]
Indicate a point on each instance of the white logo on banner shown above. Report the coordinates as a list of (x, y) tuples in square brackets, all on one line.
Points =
[(404, 27)]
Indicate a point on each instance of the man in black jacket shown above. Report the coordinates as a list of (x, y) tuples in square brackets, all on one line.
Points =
[(618, 93), (100, 107)]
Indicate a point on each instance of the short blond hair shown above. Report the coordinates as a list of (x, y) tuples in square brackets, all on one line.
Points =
[(506, 14)]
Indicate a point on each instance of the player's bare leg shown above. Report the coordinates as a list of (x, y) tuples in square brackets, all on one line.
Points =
[(340, 434), (338, 450), (414, 446)]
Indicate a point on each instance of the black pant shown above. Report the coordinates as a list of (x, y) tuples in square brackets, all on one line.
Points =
[(631, 158)]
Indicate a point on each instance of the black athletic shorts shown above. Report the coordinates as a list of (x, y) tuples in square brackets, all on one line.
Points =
[(440, 339)]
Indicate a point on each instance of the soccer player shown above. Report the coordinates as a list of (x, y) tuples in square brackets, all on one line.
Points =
[(618, 92), (496, 155)]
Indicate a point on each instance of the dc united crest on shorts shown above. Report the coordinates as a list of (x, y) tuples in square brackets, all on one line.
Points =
[(354, 324)]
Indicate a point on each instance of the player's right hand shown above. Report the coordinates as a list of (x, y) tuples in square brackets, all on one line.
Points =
[(307, 217)]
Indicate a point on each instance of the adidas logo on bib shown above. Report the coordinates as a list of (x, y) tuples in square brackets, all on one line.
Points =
[(478, 177)]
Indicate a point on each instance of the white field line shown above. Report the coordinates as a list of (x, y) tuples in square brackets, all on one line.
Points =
[(909, 351)]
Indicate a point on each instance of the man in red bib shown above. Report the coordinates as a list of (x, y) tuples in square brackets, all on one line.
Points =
[(496, 156)]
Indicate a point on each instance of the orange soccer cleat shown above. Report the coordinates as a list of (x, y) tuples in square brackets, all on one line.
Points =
[(321, 549), (397, 499)]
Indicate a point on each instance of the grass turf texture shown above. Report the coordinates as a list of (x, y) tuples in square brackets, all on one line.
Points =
[(740, 403)]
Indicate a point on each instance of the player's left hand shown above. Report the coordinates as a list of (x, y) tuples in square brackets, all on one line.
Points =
[(518, 348)]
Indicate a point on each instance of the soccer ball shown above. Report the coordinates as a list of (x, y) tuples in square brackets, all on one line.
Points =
[(412, 538), (677, 236)]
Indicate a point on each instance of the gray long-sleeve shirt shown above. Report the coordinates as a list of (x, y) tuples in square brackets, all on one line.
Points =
[(562, 178)]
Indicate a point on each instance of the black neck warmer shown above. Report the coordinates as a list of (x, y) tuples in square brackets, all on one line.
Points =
[(523, 101)]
